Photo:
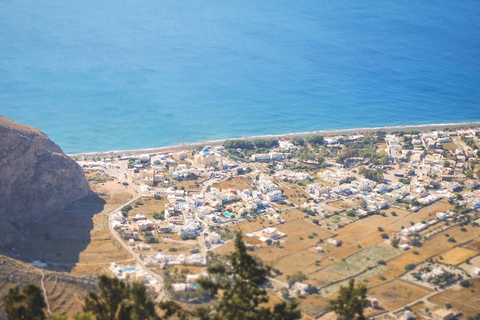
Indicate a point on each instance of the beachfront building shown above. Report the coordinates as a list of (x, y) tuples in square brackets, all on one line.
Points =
[(268, 157), (286, 145)]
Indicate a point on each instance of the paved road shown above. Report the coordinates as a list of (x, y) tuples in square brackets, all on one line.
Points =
[(135, 255)]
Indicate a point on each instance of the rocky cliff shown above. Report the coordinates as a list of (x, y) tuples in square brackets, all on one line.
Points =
[(36, 178)]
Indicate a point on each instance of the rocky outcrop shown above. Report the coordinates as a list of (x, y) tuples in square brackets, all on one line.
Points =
[(36, 178)]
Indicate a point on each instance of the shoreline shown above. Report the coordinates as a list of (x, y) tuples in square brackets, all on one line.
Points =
[(216, 142)]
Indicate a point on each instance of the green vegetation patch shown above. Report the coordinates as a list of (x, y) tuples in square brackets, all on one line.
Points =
[(362, 260)]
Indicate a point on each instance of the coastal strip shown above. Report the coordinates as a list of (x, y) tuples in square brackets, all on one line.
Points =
[(326, 133)]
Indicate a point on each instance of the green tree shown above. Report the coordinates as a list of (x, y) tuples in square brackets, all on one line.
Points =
[(240, 279), (298, 276), (108, 304), (28, 305), (120, 301), (350, 301)]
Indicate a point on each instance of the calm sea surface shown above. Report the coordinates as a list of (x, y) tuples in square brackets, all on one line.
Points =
[(115, 75)]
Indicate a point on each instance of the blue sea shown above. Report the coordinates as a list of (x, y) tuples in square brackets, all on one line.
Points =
[(117, 75)]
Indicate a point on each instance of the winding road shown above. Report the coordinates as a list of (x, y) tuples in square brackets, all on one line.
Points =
[(135, 255)]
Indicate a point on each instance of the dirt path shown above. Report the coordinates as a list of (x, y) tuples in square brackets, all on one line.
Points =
[(44, 292)]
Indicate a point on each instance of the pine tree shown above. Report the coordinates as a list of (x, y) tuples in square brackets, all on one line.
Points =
[(239, 280), (350, 302), (29, 304), (108, 304), (121, 301)]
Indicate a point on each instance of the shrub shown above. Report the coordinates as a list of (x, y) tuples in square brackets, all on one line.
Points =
[(451, 239), (159, 216), (384, 236), (151, 239), (410, 267), (415, 252), (395, 243), (394, 213), (173, 250), (139, 203), (380, 229), (296, 277), (381, 262), (465, 283), (382, 278)]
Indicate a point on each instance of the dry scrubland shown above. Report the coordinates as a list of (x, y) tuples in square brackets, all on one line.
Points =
[(79, 238), (462, 299), (437, 245), (65, 292), (238, 183), (455, 256), (359, 254), (396, 293)]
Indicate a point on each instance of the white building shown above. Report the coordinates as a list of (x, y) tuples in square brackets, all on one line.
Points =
[(274, 196)]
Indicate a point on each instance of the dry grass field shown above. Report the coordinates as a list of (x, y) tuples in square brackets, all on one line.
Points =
[(396, 293), (65, 293), (150, 205), (475, 244), (292, 191), (237, 183), (456, 256), (257, 223), (449, 146), (313, 305), (295, 253), (78, 238), (166, 242), (354, 264), (437, 245), (362, 260), (190, 184), (466, 300)]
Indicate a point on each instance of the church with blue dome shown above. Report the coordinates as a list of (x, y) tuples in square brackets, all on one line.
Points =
[(206, 157)]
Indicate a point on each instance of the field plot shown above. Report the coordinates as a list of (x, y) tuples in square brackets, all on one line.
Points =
[(363, 277), (362, 260), (449, 146), (172, 244), (313, 305), (148, 207), (466, 300), (396, 293), (436, 245), (456, 255), (431, 210), (238, 183), (474, 245), (295, 253), (474, 263), (293, 192), (257, 223)]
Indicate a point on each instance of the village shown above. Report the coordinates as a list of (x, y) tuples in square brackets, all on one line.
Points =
[(397, 211)]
